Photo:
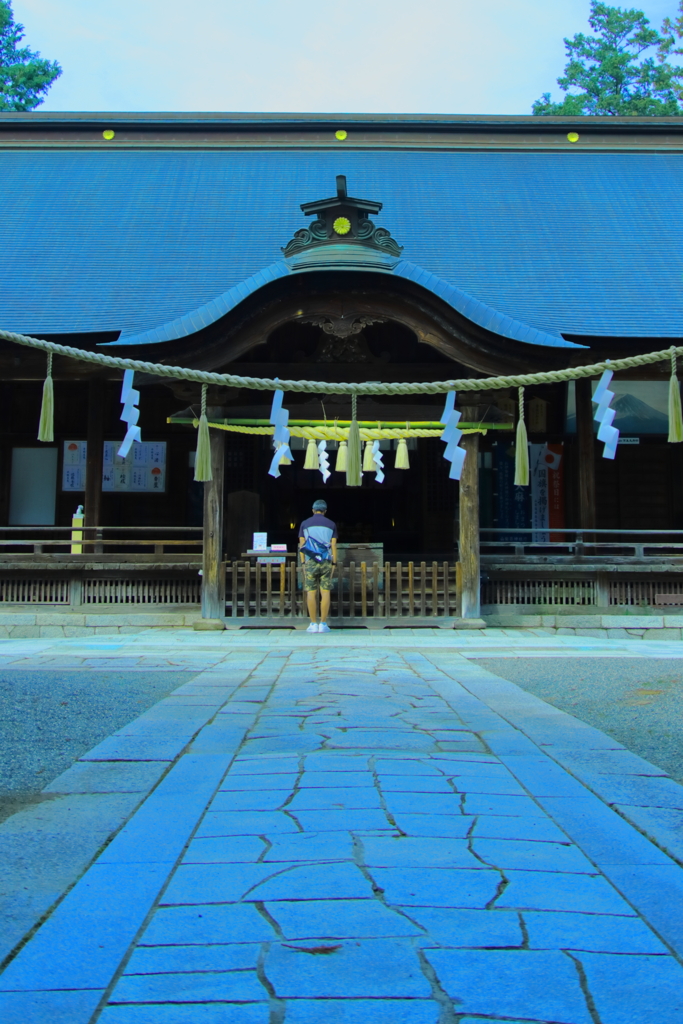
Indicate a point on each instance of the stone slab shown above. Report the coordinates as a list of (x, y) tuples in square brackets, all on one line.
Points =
[(55, 1007), (379, 968), (107, 777), (593, 932), (82, 943), (195, 1013), (362, 1011), (555, 890), (634, 989)]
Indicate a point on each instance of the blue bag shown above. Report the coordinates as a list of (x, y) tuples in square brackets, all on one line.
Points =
[(316, 549)]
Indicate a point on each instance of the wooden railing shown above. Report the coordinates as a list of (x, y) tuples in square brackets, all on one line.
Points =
[(89, 540), (566, 546), (409, 594)]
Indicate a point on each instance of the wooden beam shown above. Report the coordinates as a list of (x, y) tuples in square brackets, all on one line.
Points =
[(586, 452), (95, 438), (469, 528), (213, 579)]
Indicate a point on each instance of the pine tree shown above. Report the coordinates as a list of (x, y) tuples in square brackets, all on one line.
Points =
[(25, 76), (672, 31), (609, 72)]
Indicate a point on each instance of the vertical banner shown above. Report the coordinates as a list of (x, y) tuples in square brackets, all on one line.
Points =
[(547, 491), (512, 503), (556, 491)]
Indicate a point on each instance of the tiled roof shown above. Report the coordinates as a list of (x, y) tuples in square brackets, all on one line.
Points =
[(531, 244)]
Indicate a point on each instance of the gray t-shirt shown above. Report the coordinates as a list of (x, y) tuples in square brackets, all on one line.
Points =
[(321, 529)]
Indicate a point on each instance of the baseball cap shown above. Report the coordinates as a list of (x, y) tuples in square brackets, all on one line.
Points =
[(320, 505)]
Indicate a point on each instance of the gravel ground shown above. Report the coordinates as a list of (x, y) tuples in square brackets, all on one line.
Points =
[(50, 718), (634, 700)]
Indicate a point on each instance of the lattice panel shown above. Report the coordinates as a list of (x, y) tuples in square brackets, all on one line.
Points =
[(141, 591), (541, 592), (641, 592), (13, 591)]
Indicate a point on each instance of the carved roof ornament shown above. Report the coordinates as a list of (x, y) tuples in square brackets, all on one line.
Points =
[(342, 326), (345, 220)]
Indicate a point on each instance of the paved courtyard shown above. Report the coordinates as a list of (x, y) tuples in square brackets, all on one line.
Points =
[(361, 828)]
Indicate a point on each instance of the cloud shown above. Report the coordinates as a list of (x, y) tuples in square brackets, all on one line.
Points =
[(392, 56)]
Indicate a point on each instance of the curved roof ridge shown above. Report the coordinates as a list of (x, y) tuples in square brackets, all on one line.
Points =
[(211, 311), (479, 312), (473, 309)]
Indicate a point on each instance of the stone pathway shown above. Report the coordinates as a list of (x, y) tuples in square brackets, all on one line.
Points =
[(362, 833)]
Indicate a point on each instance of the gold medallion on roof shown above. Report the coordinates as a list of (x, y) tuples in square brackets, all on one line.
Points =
[(342, 226)]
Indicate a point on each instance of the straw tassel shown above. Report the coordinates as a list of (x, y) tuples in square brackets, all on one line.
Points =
[(342, 453), (521, 447), (46, 429), (368, 461), (402, 460), (675, 418), (311, 455), (202, 462), (353, 458)]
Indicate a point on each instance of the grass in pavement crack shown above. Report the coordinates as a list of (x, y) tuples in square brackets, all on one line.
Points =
[(276, 1005), (359, 860), (448, 1014), (265, 913), (296, 786), (372, 765), (525, 931), (482, 860), (583, 982), (294, 819), (268, 846), (500, 889)]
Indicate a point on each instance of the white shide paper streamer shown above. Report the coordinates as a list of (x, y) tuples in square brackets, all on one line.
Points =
[(452, 435), (605, 416), (323, 461), (130, 414), (379, 462), (279, 417)]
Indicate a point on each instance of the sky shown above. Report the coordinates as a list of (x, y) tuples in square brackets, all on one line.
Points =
[(374, 56)]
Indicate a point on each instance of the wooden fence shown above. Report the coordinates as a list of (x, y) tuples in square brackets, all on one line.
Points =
[(415, 593)]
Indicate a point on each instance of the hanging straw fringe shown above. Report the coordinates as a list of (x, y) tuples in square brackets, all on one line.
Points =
[(46, 430), (521, 447), (368, 461), (675, 418), (340, 464), (202, 463), (353, 459), (311, 455), (402, 460)]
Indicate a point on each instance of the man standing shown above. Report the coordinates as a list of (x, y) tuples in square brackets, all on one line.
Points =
[(318, 553)]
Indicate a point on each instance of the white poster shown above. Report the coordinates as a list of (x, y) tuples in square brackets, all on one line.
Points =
[(73, 465), (142, 470)]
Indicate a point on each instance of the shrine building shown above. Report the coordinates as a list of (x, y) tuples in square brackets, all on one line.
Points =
[(340, 249)]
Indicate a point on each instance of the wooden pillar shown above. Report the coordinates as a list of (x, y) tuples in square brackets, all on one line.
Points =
[(213, 579), (469, 528), (95, 439), (586, 454)]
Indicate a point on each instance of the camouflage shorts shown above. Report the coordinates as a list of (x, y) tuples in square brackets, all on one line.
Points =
[(317, 574)]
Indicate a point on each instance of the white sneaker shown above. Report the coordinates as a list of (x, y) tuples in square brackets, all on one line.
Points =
[(323, 628), (313, 628)]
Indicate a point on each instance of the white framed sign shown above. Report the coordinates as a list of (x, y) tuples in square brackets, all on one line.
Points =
[(143, 469)]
